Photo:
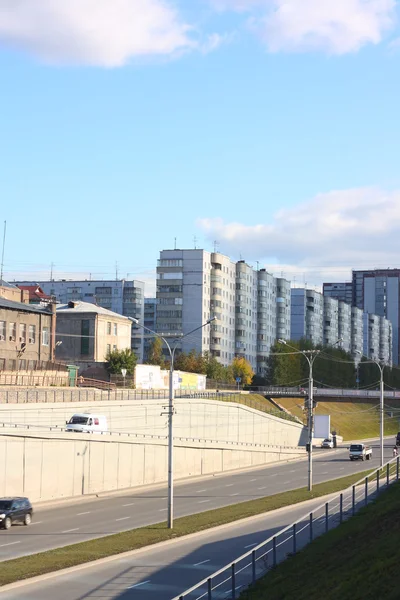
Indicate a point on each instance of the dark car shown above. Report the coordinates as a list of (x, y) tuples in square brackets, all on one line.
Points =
[(398, 439), (15, 510)]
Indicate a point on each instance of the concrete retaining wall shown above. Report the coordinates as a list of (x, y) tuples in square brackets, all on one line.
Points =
[(194, 418), (46, 469)]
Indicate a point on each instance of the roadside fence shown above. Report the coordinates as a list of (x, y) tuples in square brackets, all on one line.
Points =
[(236, 576)]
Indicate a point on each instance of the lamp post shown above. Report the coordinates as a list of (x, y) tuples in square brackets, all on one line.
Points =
[(171, 350), (310, 356), (381, 366)]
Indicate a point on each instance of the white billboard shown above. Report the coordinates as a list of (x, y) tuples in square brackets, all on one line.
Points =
[(322, 426)]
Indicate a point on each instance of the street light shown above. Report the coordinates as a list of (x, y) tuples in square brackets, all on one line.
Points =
[(171, 350), (310, 356), (380, 366)]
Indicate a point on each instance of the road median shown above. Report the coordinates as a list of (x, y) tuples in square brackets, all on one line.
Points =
[(43, 563)]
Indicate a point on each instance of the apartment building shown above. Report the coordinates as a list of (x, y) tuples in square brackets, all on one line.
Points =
[(345, 324), (357, 332), (372, 332), (331, 321), (307, 315), (252, 308), (150, 315), (386, 341), (340, 291), (122, 296)]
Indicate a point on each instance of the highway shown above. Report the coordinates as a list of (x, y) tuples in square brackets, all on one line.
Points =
[(65, 524), (164, 572)]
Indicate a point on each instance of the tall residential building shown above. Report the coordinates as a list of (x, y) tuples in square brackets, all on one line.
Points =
[(331, 321), (386, 341), (378, 292), (307, 315), (345, 324), (339, 291), (120, 296), (252, 308), (150, 314), (357, 332), (372, 332)]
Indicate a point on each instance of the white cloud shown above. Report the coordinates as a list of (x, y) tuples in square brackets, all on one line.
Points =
[(320, 239), (93, 32), (334, 26)]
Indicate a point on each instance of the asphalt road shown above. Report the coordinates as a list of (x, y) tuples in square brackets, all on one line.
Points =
[(67, 524), (164, 572)]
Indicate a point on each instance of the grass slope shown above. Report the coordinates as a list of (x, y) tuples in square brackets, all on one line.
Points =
[(352, 420), (357, 561), (76, 554)]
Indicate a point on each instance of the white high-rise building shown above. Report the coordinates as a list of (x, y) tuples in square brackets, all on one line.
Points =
[(251, 307), (307, 315), (345, 322)]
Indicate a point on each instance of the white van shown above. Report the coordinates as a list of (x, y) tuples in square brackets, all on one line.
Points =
[(87, 423)]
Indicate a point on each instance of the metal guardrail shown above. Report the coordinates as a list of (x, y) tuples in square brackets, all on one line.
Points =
[(318, 391), (236, 576), (96, 436)]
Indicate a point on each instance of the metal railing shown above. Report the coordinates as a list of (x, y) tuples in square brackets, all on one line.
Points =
[(35, 428), (236, 576)]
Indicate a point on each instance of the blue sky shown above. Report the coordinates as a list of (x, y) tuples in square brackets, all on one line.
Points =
[(270, 127)]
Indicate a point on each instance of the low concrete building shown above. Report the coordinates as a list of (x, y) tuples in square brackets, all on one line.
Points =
[(86, 333)]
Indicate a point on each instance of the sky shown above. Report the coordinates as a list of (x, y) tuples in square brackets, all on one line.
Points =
[(267, 129)]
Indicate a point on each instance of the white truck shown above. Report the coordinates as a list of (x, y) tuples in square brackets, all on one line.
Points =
[(360, 452)]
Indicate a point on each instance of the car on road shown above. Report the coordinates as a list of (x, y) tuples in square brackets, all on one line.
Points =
[(398, 439), (360, 452), (15, 510), (327, 443)]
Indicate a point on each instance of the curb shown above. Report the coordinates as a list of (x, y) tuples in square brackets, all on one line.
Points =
[(123, 555)]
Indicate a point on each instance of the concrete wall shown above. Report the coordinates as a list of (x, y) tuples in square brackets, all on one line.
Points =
[(46, 469), (194, 418)]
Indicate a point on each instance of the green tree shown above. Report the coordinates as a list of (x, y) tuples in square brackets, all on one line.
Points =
[(156, 356), (121, 359), (242, 368)]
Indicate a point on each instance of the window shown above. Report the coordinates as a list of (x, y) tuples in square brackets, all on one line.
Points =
[(85, 327), (32, 334), (12, 331), (115, 329), (2, 331), (22, 333), (108, 348), (108, 328), (114, 348), (45, 336)]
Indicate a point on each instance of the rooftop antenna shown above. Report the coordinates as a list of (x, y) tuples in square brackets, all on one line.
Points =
[(51, 271), (257, 263), (2, 254), (116, 270), (174, 243), (216, 244), (195, 242)]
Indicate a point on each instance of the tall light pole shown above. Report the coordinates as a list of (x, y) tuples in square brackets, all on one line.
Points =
[(171, 351), (381, 366), (310, 356)]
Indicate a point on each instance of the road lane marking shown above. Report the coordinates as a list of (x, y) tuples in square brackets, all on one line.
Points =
[(199, 491), (162, 509), (202, 501), (262, 488), (130, 504), (237, 494), (138, 584), (70, 530), (274, 475), (122, 519), (250, 546), (229, 485), (251, 480), (9, 544), (36, 523), (203, 562), (84, 513), (325, 473), (294, 471), (286, 482)]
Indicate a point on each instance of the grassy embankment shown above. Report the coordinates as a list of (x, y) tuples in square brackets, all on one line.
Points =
[(352, 419), (84, 552), (357, 561)]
